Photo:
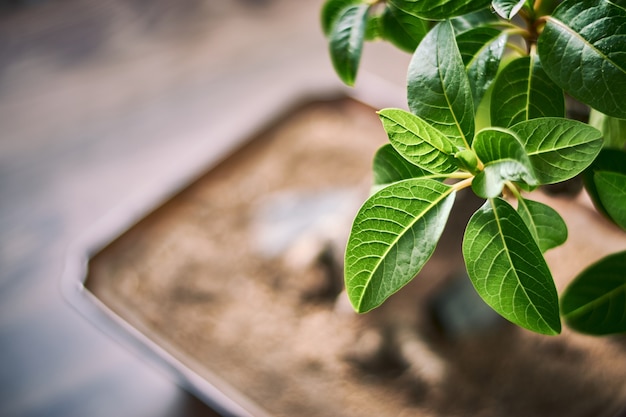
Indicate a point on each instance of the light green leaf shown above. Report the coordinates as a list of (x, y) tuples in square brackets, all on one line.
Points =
[(481, 50), (582, 50), (346, 41), (508, 270), (507, 8), (402, 29), (559, 149), (504, 159), (611, 160), (331, 10), (595, 301), (612, 190), (440, 9), (418, 142), (393, 236), (438, 88), (544, 223), (523, 91), (613, 129), (389, 167)]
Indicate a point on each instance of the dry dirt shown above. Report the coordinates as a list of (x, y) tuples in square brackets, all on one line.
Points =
[(240, 273)]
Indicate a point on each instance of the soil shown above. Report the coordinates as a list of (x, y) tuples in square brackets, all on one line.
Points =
[(241, 275)]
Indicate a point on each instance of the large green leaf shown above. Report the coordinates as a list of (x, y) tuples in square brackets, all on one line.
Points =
[(610, 160), (331, 10), (418, 142), (559, 149), (438, 88), (523, 91), (440, 9), (595, 301), (389, 167), (402, 29), (508, 270), (481, 50), (393, 236), (507, 8), (504, 159), (472, 20), (346, 41), (582, 49), (544, 223), (612, 190), (613, 129)]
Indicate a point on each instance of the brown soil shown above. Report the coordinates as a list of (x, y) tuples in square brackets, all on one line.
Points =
[(238, 274)]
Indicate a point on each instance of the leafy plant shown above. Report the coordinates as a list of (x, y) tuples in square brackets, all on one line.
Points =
[(486, 91)]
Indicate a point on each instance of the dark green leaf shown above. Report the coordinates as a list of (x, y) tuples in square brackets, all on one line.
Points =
[(508, 270), (544, 223), (418, 142), (472, 20), (523, 91), (507, 8), (346, 41), (393, 236), (612, 191), (582, 49), (401, 29), (438, 88), (559, 149), (595, 301), (331, 10), (611, 160), (440, 9), (389, 167), (613, 129)]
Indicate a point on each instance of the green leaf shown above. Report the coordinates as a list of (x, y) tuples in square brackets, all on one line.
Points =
[(504, 159), (523, 91), (472, 20), (346, 41), (507, 8), (481, 50), (418, 142), (559, 149), (440, 9), (544, 223), (438, 88), (613, 129), (612, 160), (508, 270), (331, 10), (389, 167), (612, 191), (402, 29), (595, 301), (582, 49), (393, 236)]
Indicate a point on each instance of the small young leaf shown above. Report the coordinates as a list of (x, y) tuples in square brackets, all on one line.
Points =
[(595, 301), (418, 142), (481, 50), (613, 129), (346, 41), (507, 8), (438, 88), (611, 160), (544, 223), (504, 159), (523, 91), (402, 29), (612, 190), (582, 49), (467, 160), (559, 149), (389, 167), (331, 10), (508, 270), (440, 9), (394, 234)]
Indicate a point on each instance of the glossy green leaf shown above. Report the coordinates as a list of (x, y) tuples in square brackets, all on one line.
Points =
[(393, 236), (595, 301), (523, 91), (612, 191), (418, 142), (504, 159), (402, 29), (582, 49), (331, 10), (438, 88), (611, 160), (559, 149), (346, 41), (508, 270), (507, 8), (613, 129), (544, 223), (472, 20), (440, 9), (481, 50), (389, 167)]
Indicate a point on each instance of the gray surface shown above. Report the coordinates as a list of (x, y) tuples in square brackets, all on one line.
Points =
[(101, 103)]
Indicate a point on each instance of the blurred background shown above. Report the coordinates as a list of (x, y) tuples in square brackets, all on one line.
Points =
[(102, 102)]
